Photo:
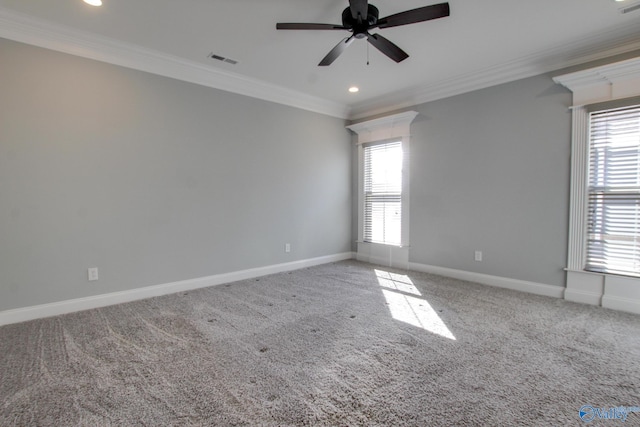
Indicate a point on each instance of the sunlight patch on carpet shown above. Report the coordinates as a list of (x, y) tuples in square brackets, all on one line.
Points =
[(404, 306)]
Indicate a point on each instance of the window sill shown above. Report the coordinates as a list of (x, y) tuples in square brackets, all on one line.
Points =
[(381, 244)]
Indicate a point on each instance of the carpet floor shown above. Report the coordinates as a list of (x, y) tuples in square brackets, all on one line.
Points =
[(348, 344)]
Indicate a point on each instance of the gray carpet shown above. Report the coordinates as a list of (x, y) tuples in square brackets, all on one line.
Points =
[(321, 346)]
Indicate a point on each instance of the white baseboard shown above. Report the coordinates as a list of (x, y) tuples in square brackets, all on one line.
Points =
[(606, 290), (79, 304), (584, 288), (622, 293), (582, 297), (621, 304), (485, 279)]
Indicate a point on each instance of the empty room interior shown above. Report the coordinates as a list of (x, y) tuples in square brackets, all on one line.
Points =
[(319, 212)]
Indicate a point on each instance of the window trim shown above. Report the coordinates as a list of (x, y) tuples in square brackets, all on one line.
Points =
[(612, 82), (395, 127)]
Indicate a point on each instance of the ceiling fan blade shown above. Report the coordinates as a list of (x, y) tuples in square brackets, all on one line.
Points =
[(387, 47), (359, 7), (303, 26), (336, 51), (412, 16)]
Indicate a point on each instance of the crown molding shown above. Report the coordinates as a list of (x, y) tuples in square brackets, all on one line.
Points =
[(605, 83), (393, 126), (26, 29), (621, 40)]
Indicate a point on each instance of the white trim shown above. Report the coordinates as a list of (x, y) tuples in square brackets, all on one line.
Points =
[(606, 290), (406, 193), (582, 297), (360, 196), (605, 83), (79, 304), (609, 82), (37, 32), (584, 287), (621, 293), (578, 193), (395, 126), (621, 304), (384, 128), (497, 281)]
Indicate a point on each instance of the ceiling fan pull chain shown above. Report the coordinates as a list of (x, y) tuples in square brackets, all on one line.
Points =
[(367, 53)]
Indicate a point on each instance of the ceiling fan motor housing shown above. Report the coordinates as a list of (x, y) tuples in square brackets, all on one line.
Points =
[(360, 28)]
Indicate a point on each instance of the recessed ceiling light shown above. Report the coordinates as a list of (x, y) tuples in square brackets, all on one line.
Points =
[(94, 2), (354, 89)]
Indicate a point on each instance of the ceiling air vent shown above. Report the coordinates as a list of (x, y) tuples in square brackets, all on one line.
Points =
[(630, 8), (222, 59)]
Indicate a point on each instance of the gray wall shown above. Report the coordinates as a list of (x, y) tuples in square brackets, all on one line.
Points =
[(154, 180), (490, 171)]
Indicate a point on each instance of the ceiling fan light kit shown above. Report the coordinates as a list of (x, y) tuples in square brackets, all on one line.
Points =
[(360, 17)]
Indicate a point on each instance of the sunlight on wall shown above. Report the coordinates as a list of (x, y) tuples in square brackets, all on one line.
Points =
[(408, 308)]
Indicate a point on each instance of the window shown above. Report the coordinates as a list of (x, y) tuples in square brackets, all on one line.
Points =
[(613, 211), (383, 193), (603, 215), (383, 151)]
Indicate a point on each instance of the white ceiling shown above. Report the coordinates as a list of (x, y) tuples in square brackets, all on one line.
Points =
[(482, 43)]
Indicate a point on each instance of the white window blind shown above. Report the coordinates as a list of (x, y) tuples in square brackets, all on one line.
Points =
[(383, 193), (613, 240)]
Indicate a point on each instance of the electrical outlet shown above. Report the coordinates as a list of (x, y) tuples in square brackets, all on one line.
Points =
[(92, 274), (478, 256), (287, 247)]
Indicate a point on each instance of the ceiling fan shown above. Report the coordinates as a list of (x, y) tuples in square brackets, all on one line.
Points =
[(360, 17)]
